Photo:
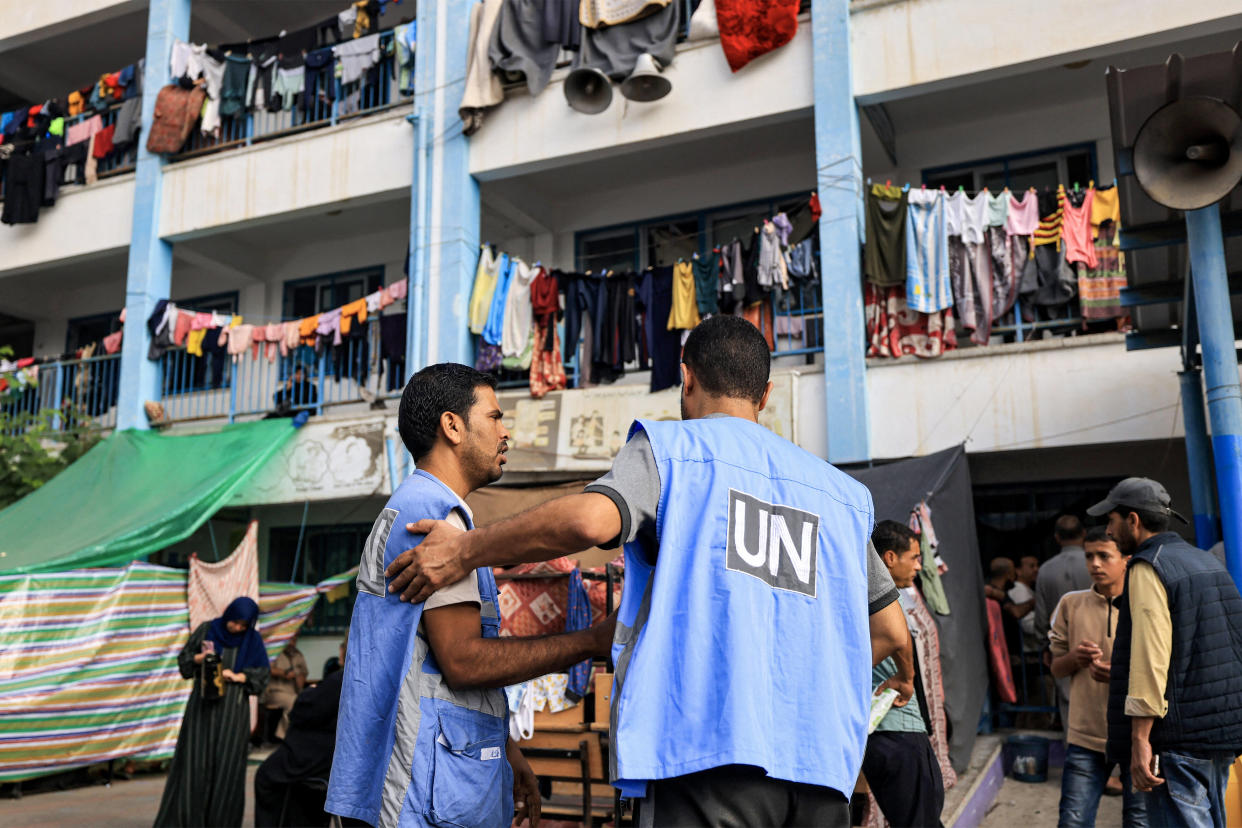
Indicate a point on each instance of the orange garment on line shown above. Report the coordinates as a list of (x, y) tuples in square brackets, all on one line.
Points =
[(306, 329), (358, 308), (760, 315), (76, 103), (185, 320)]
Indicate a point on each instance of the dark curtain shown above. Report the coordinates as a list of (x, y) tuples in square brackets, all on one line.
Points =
[(943, 479)]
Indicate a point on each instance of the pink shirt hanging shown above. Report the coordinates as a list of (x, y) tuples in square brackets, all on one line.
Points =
[(1076, 231), (1023, 215)]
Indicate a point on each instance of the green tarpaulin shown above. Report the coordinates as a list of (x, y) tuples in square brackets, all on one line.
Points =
[(133, 494)]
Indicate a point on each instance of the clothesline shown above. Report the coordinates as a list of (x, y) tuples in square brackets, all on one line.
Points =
[(907, 187)]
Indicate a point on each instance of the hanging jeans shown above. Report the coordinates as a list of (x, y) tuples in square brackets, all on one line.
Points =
[(320, 85)]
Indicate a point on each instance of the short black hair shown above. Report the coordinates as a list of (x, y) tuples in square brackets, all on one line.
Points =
[(729, 357), (1152, 521), (891, 536), (448, 386), (1068, 528), (1098, 534)]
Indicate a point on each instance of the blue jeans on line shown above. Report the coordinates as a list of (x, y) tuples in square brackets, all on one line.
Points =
[(1193, 793), (1082, 783)]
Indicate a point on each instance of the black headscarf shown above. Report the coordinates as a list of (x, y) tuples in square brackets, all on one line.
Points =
[(249, 645)]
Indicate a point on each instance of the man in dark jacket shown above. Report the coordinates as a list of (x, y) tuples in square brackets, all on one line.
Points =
[(1175, 686), (305, 754)]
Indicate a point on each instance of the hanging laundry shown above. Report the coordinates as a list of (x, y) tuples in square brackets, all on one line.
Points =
[(751, 28), (489, 358), (1099, 287), (970, 272), (707, 282), (1076, 228), (802, 261), (685, 311), (998, 209), (545, 304), (893, 330), (405, 40), (356, 309), (194, 342), (292, 337), (176, 110), (81, 131), (392, 349), (547, 371), (928, 286), (760, 315), (233, 84), (494, 329), (398, 289), (1106, 206), (1009, 256), (329, 325), (933, 565), (1023, 218), (655, 298), (1051, 216), (517, 44), (615, 50), (1047, 279), (307, 328), (884, 252), (483, 89), (485, 274), (772, 269), (356, 57), (966, 216), (518, 315), (236, 339), (112, 342), (160, 325)]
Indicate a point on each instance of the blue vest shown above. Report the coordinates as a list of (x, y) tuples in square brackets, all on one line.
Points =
[(747, 641), (410, 751)]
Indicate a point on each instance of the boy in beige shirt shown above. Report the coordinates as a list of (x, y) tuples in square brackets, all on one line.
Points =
[(1081, 641)]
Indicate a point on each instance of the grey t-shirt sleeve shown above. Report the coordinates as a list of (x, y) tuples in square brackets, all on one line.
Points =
[(881, 591), (633, 484)]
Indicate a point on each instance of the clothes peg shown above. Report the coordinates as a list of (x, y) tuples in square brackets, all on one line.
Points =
[(1090, 183), (960, 188)]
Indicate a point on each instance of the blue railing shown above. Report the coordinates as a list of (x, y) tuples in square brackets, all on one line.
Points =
[(218, 386), (376, 90), (74, 394)]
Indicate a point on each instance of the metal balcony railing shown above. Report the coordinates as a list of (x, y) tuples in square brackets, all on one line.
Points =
[(219, 386), (326, 102), (70, 395)]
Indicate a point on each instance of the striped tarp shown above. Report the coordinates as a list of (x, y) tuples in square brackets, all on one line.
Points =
[(88, 662)]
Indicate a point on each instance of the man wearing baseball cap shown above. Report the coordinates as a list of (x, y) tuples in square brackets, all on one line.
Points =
[(1175, 687)]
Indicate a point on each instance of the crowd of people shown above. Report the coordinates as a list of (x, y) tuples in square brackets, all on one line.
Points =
[(752, 636)]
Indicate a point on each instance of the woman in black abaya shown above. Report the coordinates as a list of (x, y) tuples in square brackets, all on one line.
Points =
[(206, 784)]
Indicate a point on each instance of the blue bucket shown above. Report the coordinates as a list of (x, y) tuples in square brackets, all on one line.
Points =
[(1028, 758)]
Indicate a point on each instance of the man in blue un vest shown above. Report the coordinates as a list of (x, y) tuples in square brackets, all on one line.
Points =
[(753, 608), (422, 735)]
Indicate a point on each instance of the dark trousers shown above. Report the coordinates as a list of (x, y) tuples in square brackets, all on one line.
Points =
[(274, 795), (738, 795), (904, 777)]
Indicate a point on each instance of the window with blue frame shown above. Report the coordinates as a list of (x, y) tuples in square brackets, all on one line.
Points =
[(184, 373), (1074, 163), (797, 314)]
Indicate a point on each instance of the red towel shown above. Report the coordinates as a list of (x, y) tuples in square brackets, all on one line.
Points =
[(750, 28)]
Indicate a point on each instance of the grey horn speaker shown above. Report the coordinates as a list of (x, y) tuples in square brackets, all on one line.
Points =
[(1188, 154), (588, 90), (645, 83)]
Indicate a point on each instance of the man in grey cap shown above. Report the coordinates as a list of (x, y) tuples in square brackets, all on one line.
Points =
[(1175, 685)]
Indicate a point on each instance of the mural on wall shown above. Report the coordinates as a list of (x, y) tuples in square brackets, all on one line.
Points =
[(582, 430), (324, 461)]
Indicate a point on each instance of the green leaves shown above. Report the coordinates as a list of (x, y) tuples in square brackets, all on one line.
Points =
[(33, 451)]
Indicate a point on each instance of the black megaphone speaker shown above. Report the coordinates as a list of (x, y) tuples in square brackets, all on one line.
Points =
[(1188, 153)]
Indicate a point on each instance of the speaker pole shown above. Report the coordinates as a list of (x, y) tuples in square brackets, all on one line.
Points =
[(1198, 458), (1220, 369)]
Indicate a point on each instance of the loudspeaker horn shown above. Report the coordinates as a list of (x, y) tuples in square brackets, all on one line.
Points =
[(588, 90), (645, 83), (1188, 154)]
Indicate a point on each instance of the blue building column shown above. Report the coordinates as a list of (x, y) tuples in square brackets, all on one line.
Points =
[(444, 217), (1220, 371), (1198, 458), (149, 275), (838, 161)]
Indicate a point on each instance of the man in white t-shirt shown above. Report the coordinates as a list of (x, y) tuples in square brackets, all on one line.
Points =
[(1022, 593)]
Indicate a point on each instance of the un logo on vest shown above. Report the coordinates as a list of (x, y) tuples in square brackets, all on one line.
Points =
[(776, 544)]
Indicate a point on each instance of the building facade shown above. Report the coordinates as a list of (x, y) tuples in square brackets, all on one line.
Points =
[(288, 214)]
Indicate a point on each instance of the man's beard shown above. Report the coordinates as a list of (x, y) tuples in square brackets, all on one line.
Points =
[(483, 466), (1126, 542)]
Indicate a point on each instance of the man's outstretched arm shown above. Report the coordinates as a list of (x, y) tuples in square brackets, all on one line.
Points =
[(469, 661), (559, 527)]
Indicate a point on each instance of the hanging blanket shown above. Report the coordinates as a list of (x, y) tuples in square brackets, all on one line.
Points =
[(213, 586), (750, 28)]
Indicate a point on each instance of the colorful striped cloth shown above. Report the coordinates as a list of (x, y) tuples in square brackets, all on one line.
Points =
[(88, 665)]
